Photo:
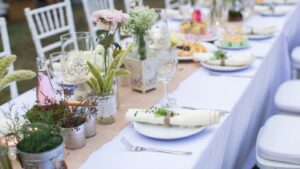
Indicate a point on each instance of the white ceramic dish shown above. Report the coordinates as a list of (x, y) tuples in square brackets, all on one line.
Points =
[(210, 48), (223, 68), (218, 44), (259, 37), (164, 132)]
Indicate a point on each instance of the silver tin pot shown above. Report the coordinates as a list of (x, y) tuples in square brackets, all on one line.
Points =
[(51, 159), (106, 108), (90, 126), (75, 137)]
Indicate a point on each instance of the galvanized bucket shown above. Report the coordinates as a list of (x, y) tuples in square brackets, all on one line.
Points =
[(90, 126), (75, 137), (51, 159)]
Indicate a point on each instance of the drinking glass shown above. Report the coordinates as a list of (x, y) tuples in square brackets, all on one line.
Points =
[(166, 68), (158, 34), (54, 66), (77, 49)]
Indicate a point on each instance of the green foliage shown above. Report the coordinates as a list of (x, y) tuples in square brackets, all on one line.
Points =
[(163, 112), (40, 139), (6, 78), (40, 136), (220, 54), (5, 162), (140, 20), (37, 113), (101, 83)]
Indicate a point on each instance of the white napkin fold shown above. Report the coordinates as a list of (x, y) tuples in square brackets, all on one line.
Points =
[(187, 118), (259, 31), (267, 10), (231, 60)]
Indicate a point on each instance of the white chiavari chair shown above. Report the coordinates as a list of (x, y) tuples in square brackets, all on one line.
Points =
[(51, 20), (128, 4), (91, 6), (7, 51), (173, 4)]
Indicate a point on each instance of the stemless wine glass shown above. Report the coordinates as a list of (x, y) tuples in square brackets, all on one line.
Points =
[(77, 49), (166, 68)]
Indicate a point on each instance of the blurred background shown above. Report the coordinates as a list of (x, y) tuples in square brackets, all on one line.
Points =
[(21, 39)]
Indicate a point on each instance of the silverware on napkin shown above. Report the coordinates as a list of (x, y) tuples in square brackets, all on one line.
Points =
[(131, 147)]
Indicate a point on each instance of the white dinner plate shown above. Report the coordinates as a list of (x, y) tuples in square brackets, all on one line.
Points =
[(223, 68), (259, 37), (210, 48), (164, 132), (218, 44), (277, 14)]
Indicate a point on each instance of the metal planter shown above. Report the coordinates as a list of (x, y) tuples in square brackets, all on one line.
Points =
[(51, 159), (75, 137), (90, 126)]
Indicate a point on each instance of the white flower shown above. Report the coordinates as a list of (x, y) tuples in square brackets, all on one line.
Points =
[(109, 19), (99, 50)]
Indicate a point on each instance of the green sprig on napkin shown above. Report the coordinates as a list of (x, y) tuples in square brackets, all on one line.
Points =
[(220, 54)]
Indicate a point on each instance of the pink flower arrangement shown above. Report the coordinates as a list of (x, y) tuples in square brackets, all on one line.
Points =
[(109, 19)]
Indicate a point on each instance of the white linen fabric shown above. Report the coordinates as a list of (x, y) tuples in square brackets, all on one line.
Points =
[(230, 144), (182, 117)]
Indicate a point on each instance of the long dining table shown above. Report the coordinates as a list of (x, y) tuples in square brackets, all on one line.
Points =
[(248, 96)]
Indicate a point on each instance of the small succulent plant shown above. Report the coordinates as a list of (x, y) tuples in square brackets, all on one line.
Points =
[(101, 83)]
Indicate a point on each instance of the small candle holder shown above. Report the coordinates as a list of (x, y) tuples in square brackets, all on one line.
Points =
[(11, 142)]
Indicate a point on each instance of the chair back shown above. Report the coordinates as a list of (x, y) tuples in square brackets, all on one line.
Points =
[(51, 20), (7, 51), (173, 4)]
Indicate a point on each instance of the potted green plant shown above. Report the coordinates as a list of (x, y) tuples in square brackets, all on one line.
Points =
[(103, 76), (141, 62), (18, 75), (101, 86)]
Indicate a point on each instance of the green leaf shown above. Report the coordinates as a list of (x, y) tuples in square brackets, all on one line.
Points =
[(17, 75), (5, 63), (96, 73), (96, 86), (121, 72), (161, 112)]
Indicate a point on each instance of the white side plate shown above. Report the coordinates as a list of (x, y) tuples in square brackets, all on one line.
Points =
[(223, 68), (164, 132), (218, 44)]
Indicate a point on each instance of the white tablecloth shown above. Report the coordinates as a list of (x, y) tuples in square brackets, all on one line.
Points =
[(249, 99), (229, 145)]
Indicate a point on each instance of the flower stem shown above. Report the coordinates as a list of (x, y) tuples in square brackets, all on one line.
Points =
[(142, 52)]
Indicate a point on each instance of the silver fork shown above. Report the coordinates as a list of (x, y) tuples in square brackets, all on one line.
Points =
[(131, 147)]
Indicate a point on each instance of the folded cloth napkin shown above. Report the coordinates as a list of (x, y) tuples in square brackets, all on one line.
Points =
[(180, 117), (272, 10), (258, 31), (232, 59)]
